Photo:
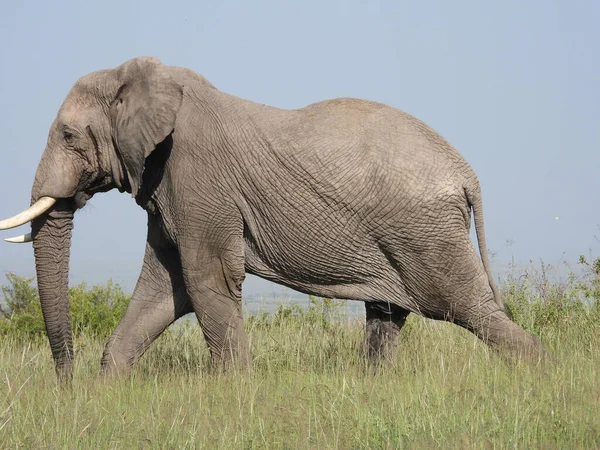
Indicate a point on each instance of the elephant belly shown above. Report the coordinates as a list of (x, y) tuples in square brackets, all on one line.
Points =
[(348, 270)]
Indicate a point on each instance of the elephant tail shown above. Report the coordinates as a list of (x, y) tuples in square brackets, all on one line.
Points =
[(474, 198)]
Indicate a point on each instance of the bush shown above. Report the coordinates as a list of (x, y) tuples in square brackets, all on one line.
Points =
[(539, 303), (22, 311), (95, 311)]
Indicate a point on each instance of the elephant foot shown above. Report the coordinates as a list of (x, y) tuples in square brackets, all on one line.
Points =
[(505, 336)]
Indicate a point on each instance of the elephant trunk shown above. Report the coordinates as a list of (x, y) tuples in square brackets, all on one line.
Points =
[(52, 195), (52, 245)]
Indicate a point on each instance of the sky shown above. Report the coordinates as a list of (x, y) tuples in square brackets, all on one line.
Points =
[(513, 85)]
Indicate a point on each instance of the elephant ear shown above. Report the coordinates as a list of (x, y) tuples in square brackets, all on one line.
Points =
[(143, 113)]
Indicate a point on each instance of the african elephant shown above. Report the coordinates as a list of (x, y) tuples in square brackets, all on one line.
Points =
[(343, 198)]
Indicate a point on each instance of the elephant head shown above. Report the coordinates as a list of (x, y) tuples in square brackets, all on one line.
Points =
[(109, 123)]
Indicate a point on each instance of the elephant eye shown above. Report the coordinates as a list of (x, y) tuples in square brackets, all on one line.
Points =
[(68, 136)]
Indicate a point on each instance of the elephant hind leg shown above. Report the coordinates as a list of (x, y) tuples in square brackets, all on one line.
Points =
[(446, 281), (466, 299), (383, 324), (491, 324)]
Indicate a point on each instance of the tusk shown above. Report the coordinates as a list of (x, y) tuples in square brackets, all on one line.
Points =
[(20, 239), (35, 210)]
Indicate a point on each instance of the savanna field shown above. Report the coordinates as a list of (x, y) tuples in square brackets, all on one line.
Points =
[(311, 387)]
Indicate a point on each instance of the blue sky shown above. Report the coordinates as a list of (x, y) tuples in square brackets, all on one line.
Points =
[(512, 85)]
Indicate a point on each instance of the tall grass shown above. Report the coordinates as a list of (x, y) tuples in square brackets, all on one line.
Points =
[(312, 388)]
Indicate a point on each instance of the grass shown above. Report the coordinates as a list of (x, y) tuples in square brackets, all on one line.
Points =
[(311, 388)]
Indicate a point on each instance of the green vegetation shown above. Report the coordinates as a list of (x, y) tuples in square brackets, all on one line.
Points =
[(311, 387), (95, 311)]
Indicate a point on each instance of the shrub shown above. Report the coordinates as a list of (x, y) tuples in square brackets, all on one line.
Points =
[(590, 286), (539, 303), (22, 312), (95, 311)]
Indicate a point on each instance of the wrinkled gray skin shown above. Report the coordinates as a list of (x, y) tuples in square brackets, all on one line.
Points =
[(344, 198)]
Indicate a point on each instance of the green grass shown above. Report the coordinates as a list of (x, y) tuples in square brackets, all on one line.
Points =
[(311, 388)]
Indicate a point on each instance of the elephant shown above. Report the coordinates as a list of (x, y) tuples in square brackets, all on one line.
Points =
[(344, 198)]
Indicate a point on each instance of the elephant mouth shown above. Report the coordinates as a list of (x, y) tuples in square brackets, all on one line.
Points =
[(82, 197), (105, 184)]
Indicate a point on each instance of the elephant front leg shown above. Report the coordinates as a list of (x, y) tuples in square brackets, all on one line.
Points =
[(384, 322), (214, 286), (158, 300)]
